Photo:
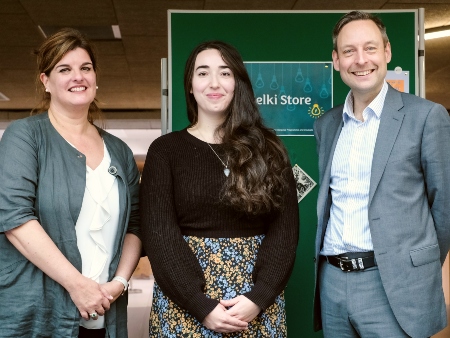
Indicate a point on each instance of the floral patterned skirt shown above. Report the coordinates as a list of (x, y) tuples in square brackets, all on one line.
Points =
[(227, 264)]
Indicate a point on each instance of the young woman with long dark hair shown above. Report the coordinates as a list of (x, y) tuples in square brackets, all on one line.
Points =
[(219, 210)]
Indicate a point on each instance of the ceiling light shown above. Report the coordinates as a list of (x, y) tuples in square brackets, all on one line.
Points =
[(438, 32), (3, 97), (116, 31)]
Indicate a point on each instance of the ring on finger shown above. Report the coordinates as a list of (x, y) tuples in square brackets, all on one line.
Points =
[(93, 315)]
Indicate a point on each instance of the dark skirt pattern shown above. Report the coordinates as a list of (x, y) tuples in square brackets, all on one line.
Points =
[(227, 264)]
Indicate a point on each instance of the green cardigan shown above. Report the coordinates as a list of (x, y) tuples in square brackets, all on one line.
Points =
[(43, 177)]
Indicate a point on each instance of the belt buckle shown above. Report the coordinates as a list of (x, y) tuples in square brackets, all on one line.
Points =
[(356, 264), (360, 264)]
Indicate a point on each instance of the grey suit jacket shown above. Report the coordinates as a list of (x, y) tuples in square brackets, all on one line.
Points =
[(409, 206)]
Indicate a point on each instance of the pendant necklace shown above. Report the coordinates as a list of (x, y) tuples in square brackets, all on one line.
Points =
[(226, 171)]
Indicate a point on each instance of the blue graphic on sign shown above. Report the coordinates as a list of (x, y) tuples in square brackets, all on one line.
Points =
[(291, 95)]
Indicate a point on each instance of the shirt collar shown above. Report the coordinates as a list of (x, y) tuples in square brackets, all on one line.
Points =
[(376, 106)]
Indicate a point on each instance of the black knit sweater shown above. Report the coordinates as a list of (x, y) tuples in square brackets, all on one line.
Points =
[(180, 189)]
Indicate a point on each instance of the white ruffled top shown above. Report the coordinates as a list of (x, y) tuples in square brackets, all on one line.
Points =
[(97, 226)]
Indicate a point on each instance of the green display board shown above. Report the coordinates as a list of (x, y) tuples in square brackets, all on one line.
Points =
[(291, 36)]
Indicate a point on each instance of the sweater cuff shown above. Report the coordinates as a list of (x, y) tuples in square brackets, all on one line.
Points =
[(262, 295), (200, 306)]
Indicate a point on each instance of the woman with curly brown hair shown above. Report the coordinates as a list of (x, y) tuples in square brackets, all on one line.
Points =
[(219, 210)]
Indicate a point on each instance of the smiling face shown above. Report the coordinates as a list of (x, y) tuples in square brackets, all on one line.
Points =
[(72, 82), (361, 58), (212, 83)]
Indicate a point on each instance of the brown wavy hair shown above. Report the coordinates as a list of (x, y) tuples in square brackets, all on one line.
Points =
[(257, 159), (51, 51)]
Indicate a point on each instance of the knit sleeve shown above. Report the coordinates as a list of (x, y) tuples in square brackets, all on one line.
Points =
[(174, 265), (276, 255)]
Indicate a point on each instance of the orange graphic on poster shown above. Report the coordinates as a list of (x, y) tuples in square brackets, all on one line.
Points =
[(397, 84)]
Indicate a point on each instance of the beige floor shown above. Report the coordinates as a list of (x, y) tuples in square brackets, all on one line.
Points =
[(139, 304)]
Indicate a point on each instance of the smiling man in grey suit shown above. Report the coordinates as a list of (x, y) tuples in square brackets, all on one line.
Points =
[(384, 199)]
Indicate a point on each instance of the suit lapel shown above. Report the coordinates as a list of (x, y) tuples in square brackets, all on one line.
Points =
[(390, 123), (330, 136), (333, 132)]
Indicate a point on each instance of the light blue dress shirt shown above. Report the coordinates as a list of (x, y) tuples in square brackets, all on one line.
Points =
[(348, 227)]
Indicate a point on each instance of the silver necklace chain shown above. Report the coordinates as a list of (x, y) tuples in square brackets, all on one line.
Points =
[(225, 165), (226, 171)]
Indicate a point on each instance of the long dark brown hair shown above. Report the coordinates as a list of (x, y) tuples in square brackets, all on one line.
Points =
[(51, 51), (257, 159)]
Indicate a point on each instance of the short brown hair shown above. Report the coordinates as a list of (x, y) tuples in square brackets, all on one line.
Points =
[(355, 16), (51, 51)]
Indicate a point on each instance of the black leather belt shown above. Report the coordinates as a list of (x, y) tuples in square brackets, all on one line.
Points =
[(353, 261)]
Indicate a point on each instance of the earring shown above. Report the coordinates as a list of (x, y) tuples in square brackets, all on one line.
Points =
[(96, 87), (46, 90)]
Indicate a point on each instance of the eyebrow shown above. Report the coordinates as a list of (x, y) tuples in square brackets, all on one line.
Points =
[(370, 42), (205, 66), (83, 64)]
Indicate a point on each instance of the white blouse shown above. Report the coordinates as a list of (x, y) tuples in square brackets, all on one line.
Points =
[(97, 226)]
